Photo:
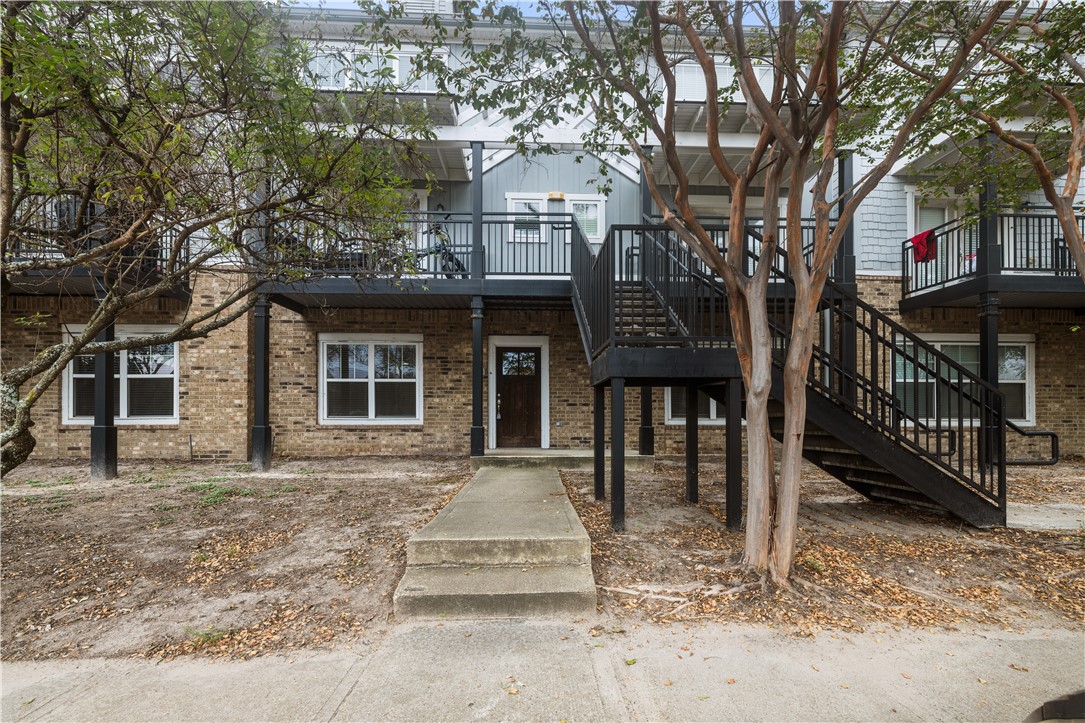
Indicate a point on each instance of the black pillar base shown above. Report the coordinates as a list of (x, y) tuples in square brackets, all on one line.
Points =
[(478, 441), (261, 448), (733, 493), (647, 445), (692, 456), (103, 452), (617, 454), (599, 444)]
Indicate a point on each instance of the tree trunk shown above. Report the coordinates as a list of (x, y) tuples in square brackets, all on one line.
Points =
[(1064, 209), (762, 483), (796, 368), (22, 442)]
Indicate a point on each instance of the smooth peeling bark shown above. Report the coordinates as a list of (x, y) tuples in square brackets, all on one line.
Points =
[(789, 479), (761, 486)]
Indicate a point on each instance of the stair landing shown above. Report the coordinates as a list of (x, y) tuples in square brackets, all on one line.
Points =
[(509, 544)]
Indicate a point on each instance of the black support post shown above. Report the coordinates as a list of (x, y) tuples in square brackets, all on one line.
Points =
[(691, 444), (599, 443), (646, 202), (988, 313), (647, 441), (617, 454), (845, 273), (989, 253), (478, 431), (733, 494), (103, 435), (478, 254), (261, 392)]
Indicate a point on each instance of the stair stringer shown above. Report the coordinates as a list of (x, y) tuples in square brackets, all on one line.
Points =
[(885, 455)]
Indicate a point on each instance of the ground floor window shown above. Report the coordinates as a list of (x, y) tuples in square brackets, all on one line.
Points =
[(708, 411), (145, 382), (920, 395), (370, 380)]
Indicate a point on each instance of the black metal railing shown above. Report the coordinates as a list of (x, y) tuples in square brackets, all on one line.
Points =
[(905, 388), (1030, 242), (439, 245), (63, 226), (865, 363)]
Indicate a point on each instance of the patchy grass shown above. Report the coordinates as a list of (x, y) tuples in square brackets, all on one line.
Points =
[(215, 494)]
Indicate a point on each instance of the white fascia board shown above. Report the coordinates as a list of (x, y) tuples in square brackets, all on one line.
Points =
[(497, 137)]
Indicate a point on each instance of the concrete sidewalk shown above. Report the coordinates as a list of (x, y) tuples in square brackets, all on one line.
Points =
[(516, 670)]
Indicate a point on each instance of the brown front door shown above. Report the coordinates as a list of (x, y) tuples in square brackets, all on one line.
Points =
[(519, 397)]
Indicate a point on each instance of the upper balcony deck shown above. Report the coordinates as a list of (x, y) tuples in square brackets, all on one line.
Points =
[(1029, 264), (53, 247)]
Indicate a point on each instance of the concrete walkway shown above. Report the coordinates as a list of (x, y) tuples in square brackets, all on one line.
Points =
[(509, 544), (517, 670)]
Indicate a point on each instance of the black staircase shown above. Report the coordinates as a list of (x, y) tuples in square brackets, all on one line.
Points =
[(887, 414)]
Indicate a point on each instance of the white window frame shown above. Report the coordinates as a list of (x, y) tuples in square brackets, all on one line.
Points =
[(597, 198), (717, 415), (511, 199), (324, 340), (121, 331), (346, 54), (1026, 340)]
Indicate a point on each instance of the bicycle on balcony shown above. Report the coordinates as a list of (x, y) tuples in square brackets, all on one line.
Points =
[(448, 263)]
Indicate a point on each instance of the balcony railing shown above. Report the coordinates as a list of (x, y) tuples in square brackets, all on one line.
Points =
[(438, 245), (59, 227), (1030, 242)]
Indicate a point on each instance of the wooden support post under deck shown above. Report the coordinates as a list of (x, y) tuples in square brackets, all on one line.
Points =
[(691, 444), (600, 442), (617, 454), (733, 495)]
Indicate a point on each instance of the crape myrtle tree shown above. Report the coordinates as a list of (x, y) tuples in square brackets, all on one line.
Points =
[(1029, 92), (619, 60), (146, 144)]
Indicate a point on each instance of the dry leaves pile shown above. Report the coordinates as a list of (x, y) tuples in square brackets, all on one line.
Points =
[(309, 556), (859, 564)]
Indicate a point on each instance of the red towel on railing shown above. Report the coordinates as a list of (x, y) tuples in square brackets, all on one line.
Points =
[(923, 247)]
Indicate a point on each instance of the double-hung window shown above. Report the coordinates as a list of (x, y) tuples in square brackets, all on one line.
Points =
[(370, 379), (708, 412), (526, 214), (145, 382), (588, 211), (923, 398)]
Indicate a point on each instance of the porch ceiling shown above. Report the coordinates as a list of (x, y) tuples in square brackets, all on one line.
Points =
[(949, 152)]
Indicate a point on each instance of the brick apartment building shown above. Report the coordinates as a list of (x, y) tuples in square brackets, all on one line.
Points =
[(508, 349)]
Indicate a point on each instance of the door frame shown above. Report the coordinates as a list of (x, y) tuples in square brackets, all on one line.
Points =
[(543, 344)]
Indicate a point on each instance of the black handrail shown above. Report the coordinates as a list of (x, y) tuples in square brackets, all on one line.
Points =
[(1053, 458), (932, 394)]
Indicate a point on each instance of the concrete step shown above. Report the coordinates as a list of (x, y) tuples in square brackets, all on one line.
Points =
[(495, 592), (554, 459)]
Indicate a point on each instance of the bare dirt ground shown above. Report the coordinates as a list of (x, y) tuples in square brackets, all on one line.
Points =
[(860, 565), (211, 559)]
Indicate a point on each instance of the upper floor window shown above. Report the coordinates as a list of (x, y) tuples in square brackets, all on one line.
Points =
[(145, 382), (345, 66), (527, 210)]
